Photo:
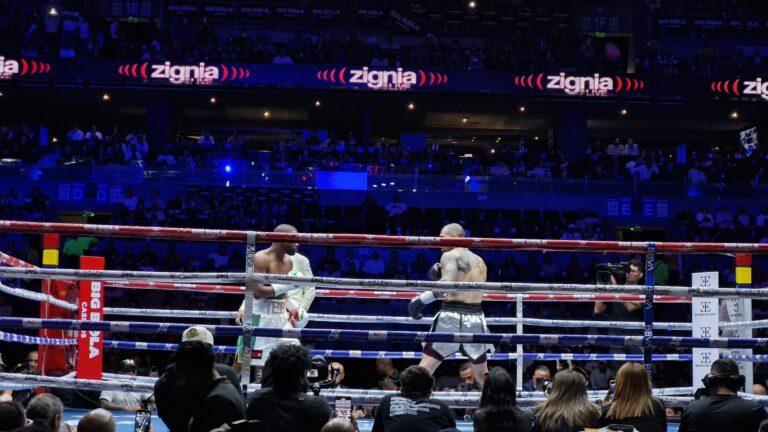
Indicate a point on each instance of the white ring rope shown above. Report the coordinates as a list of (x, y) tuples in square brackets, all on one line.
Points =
[(40, 297), (371, 319)]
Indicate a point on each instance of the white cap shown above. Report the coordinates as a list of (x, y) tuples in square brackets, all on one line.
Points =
[(197, 333)]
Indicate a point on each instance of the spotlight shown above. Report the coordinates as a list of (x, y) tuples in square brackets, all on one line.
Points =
[(55, 140), (228, 168), (623, 111), (2, 94), (472, 5), (212, 100), (735, 115), (411, 106), (266, 114), (106, 97), (317, 103), (464, 119), (522, 108), (493, 151), (52, 11), (536, 138)]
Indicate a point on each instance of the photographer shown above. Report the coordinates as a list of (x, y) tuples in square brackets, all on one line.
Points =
[(620, 274), (720, 409)]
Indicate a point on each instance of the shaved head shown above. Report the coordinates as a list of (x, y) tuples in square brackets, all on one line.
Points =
[(287, 248), (285, 228), (98, 420), (452, 230), (338, 425)]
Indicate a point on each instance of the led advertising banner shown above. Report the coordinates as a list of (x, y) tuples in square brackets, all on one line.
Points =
[(373, 79)]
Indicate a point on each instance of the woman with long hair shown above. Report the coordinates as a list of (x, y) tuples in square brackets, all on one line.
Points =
[(498, 411), (567, 407), (633, 403)]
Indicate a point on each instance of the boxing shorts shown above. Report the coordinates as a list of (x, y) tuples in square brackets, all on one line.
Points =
[(458, 317), (269, 313)]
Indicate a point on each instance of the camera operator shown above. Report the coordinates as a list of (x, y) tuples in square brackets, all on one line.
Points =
[(621, 274), (721, 409)]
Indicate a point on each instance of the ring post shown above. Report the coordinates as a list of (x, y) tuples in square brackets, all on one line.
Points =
[(90, 343), (245, 354), (706, 322), (650, 269), (740, 310), (519, 363)]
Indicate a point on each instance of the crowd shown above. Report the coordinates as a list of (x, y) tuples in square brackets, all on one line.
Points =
[(545, 37), (196, 394), (621, 159)]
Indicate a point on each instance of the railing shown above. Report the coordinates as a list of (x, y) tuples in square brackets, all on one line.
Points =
[(244, 175)]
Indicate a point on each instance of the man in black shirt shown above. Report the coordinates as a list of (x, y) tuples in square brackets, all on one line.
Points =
[(222, 402), (624, 311), (722, 409), (286, 406), (412, 410), (175, 401)]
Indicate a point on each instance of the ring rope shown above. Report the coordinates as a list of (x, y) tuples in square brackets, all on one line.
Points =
[(386, 295), (40, 297), (377, 240), (35, 340), (392, 336), (444, 286), (453, 399), (371, 319)]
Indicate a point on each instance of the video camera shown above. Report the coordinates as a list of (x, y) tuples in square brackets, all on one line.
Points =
[(618, 271), (318, 376)]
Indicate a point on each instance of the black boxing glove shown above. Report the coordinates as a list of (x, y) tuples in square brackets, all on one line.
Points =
[(434, 272), (417, 304)]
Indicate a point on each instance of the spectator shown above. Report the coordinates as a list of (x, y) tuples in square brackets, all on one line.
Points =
[(75, 135), (282, 58), (722, 409), (696, 176), (540, 374), (704, 218), (468, 382), (220, 258), (329, 263), (176, 401), (412, 409), (340, 425), (613, 148), (98, 420), (761, 218), (601, 376), (633, 403), (221, 402), (336, 369), (634, 149), (123, 400), (498, 411), (11, 416), (374, 266), (567, 406), (45, 412), (396, 210), (29, 367), (285, 406), (724, 218), (206, 141), (390, 377)]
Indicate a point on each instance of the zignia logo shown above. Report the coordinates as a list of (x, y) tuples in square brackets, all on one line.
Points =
[(200, 73), (739, 87), (380, 79), (23, 67), (594, 85)]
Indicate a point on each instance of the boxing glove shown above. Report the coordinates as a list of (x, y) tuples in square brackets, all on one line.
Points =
[(297, 316), (417, 304), (281, 289), (434, 272)]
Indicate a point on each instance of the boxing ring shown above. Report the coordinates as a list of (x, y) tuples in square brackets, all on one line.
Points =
[(374, 289)]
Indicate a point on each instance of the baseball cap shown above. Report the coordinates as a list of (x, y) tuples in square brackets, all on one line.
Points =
[(127, 365), (197, 333)]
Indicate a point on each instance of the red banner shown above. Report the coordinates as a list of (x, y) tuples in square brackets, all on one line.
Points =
[(90, 344)]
